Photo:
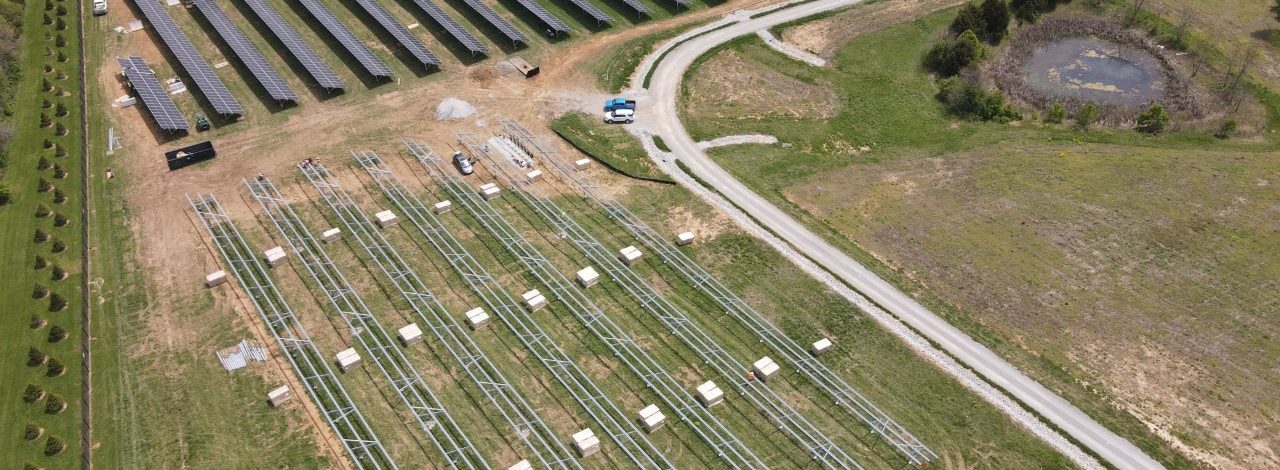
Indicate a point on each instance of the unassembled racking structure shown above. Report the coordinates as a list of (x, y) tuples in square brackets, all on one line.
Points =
[(817, 444), (417, 396), (728, 447), (540, 441), (626, 434), (337, 408), (787, 348)]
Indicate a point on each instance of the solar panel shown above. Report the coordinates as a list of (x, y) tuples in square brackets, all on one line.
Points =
[(262, 70), (639, 7), (444, 20), (554, 24), (153, 95), (195, 65), (319, 70), (398, 31), (492, 17), (600, 16), (348, 40)]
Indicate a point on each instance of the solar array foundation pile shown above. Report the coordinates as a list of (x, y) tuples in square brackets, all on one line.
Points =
[(634, 358), (880, 423), (541, 444), (419, 400), (321, 384), (612, 421)]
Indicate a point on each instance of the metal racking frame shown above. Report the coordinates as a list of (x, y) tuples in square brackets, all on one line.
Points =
[(687, 409), (538, 438), (612, 421), (418, 398), (338, 409), (871, 416)]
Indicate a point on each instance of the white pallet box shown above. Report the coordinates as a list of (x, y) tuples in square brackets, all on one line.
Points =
[(629, 255), (488, 185), (765, 368), (331, 235), (651, 418), (278, 396), (347, 359), (534, 300), (588, 276), (490, 193), (586, 442), (215, 278), (386, 218), (275, 256), (820, 346), (582, 164), (710, 394), (521, 465), (442, 207), (532, 176), (477, 318), (410, 334), (684, 238)]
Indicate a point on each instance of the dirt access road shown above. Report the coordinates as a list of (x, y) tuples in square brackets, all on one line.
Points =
[(664, 120)]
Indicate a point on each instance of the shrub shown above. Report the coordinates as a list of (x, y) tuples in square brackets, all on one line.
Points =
[(60, 220), (46, 104), (62, 10), (31, 466), (35, 357), (45, 120), (59, 246), (31, 432), (58, 273), (60, 129), (60, 41), (5, 194), (1028, 11), (58, 196), (43, 185), (37, 321), (41, 263), (948, 57), (43, 164), (57, 333), (59, 172), (969, 18), (46, 85), (57, 302), (48, 6), (1086, 116), (54, 404), (33, 393), (1153, 120), (1057, 113), (55, 367), (62, 57), (59, 151), (995, 16), (40, 236), (1227, 128), (54, 446), (40, 291), (61, 110), (967, 99), (48, 143)]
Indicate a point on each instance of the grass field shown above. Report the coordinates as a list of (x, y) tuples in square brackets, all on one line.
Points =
[(609, 144), (1098, 262)]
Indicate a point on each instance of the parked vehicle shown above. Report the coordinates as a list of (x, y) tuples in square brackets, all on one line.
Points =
[(463, 163), (99, 7), (619, 103), (202, 122), (624, 116)]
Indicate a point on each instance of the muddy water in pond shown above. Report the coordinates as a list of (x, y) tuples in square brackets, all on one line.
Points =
[(1092, 69)]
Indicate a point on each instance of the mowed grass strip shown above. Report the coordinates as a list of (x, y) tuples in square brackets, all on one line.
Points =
[(609, 144)]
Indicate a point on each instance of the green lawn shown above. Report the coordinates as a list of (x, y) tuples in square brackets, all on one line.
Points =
[(1068, 253), (608, 143)]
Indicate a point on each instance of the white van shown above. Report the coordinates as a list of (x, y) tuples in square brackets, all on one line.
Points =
[(99, 7), (625, 116)]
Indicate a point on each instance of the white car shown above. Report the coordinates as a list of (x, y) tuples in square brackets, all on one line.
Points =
[(625, 116), (463, 163), (99, 7)]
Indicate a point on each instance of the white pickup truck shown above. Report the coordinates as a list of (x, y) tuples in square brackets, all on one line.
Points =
[(99, 7)]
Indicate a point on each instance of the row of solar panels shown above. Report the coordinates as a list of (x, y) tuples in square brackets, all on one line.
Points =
[(161, 106)]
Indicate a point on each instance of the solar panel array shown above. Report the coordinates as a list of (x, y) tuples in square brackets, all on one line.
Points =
[(398, 31), (262, 70), (444, 20), (586, 6), (153, 95), (348, 40), (639, 7), (195, 65), (492, 17), (318, 69), (554, 24)]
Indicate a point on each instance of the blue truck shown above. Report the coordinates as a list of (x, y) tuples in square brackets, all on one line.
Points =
[(619, 103)]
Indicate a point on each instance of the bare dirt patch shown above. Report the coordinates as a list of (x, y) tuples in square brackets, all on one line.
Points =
[(823, 37), (732, 85)]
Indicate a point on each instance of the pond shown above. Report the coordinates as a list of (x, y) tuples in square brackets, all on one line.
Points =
[(1096, 70)]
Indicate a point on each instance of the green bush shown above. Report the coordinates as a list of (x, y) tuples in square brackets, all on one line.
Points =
[(31, 432), (45, 120), (59, 246), (58, 273), (967, 99), (60, 41), (58, 196), (54, 404), (31, 466), (59, 151), (32, 393), (57, 334), (1057, 113), (43, 164), (54, 446), (40, 236), (1227, 128), (39, 291), (990, 20), (37, 321), (60, 220), (55, 367), (60, 129), (41, 263), (948, 57), (46, 104), (1086, 116), (35, 357), (48, 143), (1153, 120), (5, 194), (59, 172), (57, 302), (61, 110), (43, 185)]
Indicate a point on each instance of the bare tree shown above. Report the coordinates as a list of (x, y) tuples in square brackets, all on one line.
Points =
[(1249, 56), (1133, 13), (1184, 20)]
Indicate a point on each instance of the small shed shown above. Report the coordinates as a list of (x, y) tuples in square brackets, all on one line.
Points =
[(278, 396), (588, 276), (215, 278), (525, 68), (410, 334), (652, 418), (586, 442)]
